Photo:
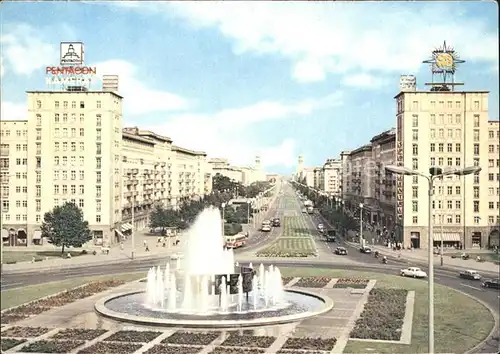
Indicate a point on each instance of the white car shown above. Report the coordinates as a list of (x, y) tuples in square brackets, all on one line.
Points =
[(320, 227), (266, 228), (413, 272)]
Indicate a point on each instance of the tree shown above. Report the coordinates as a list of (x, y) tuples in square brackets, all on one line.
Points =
[(162, 217), (64, 226)]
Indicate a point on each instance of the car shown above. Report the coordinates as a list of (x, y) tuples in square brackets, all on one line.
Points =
[(491, 283), (366, 250), (265, 228), (341, 251), (470, 274), (330, 235), (321, 227), (413, 272), (276, 222)]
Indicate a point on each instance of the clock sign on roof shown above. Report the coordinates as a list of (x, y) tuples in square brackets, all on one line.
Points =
[(444, 61)]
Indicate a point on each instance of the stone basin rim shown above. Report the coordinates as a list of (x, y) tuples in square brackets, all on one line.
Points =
[(101, 309)]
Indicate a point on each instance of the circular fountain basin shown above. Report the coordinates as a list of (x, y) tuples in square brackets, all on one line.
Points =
[(130, 307)]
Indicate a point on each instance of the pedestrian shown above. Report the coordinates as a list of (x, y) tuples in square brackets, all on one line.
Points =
[(145, 243), (121, 245)]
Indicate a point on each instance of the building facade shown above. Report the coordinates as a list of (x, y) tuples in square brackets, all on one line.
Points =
[(448, 130), (246, 175), (72, 147)]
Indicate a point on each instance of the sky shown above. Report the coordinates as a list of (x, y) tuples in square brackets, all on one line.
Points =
[(240, 79)]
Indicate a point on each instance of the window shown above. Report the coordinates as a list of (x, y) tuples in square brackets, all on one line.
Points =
[(415, 134), (449, 104), (476, 192), (491, 205), (98, 177), (449, 161), (73, 117), (64, 160), (449, 190), (491, 134), (415, 179), (441, 147), (433, 161), (414, 164), (458, 204), (458, 104), (56, 175), (458, 119), (73, 189), (73, 132), (491, 191), (98, 120), (476, 161), (449, 147), (82, 117), (98, 134), (458, 162), (65, 117), (441, 119), (476, 105), (441, 133), (491, 176), (415, 219), (98, 205), (82, 132), (64, 189), (56, 104), (414, 206), (98, 218), (433, 119), (73, 104), (433, 133), (491, 148), (476, 206), (449, 219), (38, 191), (56, 160), (98, 104), (458, 147), (433, 104), (476, 120), (98, 191), (98, 162), (414, 148), (82, 146), (38, 104), (414, 121), (433, 147), (98, 148), (441, 104), (82, 175), (82, 104), (56, 189), (491, 163), (440, 161), (458, 133), (476, 135), (81, 203), (73, 175), (476, 149), (64, 175), (414, 192), (82, 189)]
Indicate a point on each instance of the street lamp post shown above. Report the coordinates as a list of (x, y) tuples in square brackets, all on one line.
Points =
[(435, 172), (360, 224), (223, 206)]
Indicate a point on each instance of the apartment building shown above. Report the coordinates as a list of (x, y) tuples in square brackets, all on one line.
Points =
[(449, 130), (360, 179), (75, 140), (245, 175), (493, 183), (384, 183), (330, 181), (345, 173)]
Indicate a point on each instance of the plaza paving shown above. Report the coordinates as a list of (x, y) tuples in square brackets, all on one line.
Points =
[(336, 323)]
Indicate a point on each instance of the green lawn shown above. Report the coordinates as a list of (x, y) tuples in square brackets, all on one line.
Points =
[(295, 240), (14, 256), (19, 296), (460, 321)]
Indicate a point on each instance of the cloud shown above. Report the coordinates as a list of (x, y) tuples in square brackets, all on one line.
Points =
[(321, 38), (364, 81), (140, 99), (226, 133), (14, 111), (2, 69), (26, 49)]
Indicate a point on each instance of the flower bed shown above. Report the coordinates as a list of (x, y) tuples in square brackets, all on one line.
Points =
[(25, 332), (164, 349), (111, 348), (310, 343), (382, 317), (133, 336), (8, 343), (312, 282), (286, 280), (51, 346), (191, 338), (39, 306), (78, 334), (351, 283), (236, 340), (228, 350)]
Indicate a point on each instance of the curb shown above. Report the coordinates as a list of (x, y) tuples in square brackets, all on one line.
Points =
[(77, 266)]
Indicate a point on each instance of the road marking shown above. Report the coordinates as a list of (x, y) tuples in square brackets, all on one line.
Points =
[(472, 287)]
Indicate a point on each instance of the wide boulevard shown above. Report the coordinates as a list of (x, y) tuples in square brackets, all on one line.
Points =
[(354, 260)]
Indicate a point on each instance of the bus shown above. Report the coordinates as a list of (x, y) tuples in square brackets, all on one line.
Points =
[(235, 241)]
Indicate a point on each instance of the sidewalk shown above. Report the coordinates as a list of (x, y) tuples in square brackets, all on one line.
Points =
[(116, 255)]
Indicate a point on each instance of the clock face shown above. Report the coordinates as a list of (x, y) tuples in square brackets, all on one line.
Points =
[(444, 61)]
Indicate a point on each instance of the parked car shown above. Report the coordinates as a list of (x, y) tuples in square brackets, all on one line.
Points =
[(276, 222), (341, 251), (470, 274), (413, 272), (491, 283), (365, 249), (321, 227), (266, 228)]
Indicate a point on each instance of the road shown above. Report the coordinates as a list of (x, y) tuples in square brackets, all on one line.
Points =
[(366, 263)]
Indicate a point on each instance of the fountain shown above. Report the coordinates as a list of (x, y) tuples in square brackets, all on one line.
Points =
[(208, 288)]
